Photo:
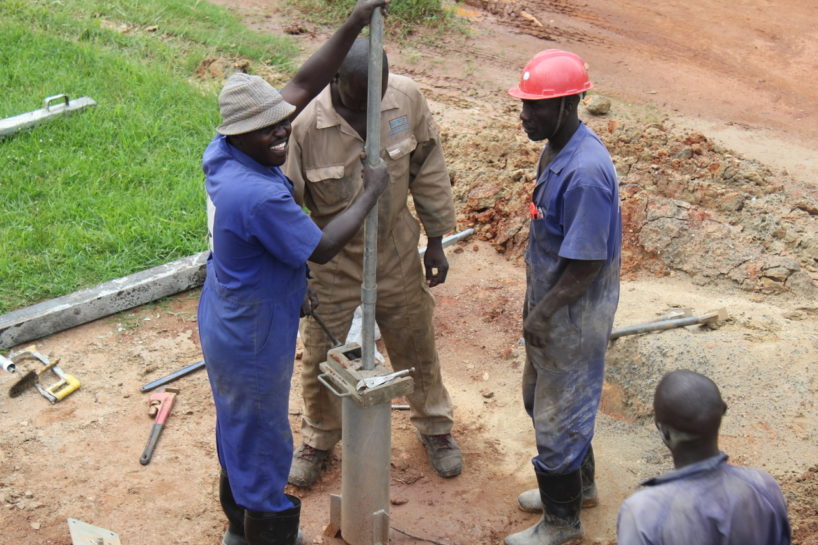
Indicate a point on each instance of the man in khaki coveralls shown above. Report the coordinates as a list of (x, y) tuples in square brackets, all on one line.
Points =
[(325, 166)]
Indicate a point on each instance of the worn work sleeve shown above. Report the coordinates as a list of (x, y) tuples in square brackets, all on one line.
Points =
[(428, 176), (284, 229), (586, 219)]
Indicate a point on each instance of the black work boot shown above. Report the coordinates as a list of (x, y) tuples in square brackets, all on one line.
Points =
[(590, 498), (235, 513), (530, 502), (561, 496), (280, 528)]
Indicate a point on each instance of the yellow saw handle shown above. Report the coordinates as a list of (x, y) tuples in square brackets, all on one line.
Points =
[(62, 389)]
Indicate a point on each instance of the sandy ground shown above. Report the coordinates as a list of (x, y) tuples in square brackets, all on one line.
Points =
[(79, 458)]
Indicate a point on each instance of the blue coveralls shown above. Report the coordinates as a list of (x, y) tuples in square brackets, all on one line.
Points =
[(248, 318), (575, 215), (707, 503)]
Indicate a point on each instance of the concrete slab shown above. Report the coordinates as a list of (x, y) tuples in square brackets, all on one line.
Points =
[(84, 306)]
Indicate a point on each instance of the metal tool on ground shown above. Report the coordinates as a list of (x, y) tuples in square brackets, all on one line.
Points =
[(53, 106), (160, 405), (32, 380), (32, 376), (7, 364), (451, 239), (83, 533), (24, 383), (65, 385), (173, 376), (713, 319)]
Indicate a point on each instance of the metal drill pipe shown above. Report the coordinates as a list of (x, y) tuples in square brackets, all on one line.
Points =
[(365, 472), (369, 290), (366, 431)]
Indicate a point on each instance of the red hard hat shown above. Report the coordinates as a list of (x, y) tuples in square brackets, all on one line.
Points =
[(552, 73)]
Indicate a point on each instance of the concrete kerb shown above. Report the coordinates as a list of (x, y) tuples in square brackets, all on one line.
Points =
[(90, 304), (80, 307)]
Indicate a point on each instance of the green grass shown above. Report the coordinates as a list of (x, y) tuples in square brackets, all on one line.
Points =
[(117, 188), (404, 15)]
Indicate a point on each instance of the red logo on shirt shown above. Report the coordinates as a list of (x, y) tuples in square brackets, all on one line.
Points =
[(536, 213)]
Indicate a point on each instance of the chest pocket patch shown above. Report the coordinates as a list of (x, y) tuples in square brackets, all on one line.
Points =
[(328, 190), (401, 148), (398, 125)]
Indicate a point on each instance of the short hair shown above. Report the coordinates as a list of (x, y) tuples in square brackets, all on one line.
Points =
[(689, 402), (356, 63)]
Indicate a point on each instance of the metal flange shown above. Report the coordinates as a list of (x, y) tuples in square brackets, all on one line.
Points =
[(343, 375)]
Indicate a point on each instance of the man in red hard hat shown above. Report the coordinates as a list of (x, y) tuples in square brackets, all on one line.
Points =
[(572, 266)]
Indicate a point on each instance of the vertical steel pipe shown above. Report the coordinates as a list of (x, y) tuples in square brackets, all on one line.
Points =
[(365, 473), (366, 434), (369, 289)]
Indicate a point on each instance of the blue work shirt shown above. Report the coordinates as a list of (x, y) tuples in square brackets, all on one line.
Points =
[(707, 503), (260, 237), (248, 318), (575, 215)]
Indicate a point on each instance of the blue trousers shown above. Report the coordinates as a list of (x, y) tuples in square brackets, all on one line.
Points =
[(249, 348), (562, 382)]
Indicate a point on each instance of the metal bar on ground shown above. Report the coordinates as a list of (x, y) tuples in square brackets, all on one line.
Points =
[(173, 376), (451, 239), (715, 316), (53, 106)]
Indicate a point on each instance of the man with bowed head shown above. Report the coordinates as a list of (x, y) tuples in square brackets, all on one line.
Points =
[(324, 168), (249, 310), (704, 500), (572, 291)]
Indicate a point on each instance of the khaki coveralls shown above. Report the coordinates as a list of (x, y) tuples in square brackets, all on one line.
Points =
[(325, 167)]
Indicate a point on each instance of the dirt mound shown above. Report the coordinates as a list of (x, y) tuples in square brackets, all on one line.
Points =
[(534, 18), (688, 204), (800, 493)]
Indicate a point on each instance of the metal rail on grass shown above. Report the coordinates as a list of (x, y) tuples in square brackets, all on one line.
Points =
[(53, 106)]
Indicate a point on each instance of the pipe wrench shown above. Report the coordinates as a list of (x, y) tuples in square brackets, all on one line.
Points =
[(372, 382), (160, 405)]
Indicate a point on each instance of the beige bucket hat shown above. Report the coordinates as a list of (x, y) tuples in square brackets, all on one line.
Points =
[(248, 103)]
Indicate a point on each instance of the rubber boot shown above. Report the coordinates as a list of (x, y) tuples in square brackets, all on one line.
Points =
[(235, 513), (530, 502), (561, 496), (280, 528), (590, 497)]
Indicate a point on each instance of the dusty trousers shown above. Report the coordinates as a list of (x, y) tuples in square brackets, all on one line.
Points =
[(404, 316), (562, 384)]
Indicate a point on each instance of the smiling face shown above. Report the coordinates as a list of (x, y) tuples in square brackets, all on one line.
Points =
[(268, 145)]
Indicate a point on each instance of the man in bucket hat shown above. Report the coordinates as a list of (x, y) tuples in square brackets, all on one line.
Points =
[(572, 270), (260, 242)]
